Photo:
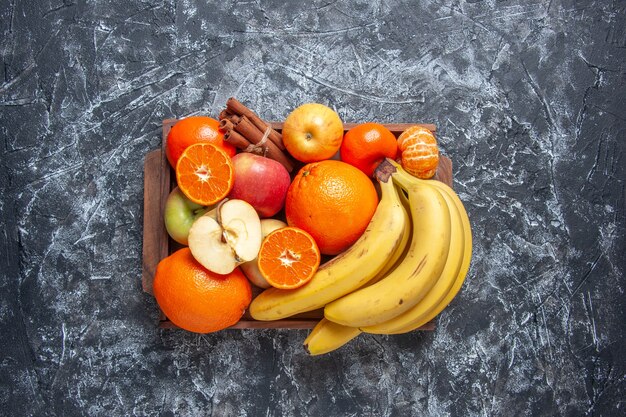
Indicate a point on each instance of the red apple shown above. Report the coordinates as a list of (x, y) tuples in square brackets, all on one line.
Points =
[(260, 181)]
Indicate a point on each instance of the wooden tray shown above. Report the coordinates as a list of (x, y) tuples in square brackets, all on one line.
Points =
[(159, 180)]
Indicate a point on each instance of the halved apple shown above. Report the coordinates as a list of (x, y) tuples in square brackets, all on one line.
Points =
[(251, 268), (227, 237)]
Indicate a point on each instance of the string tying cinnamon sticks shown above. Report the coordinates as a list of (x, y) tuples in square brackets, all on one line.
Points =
[(260, 147), (258, 137)]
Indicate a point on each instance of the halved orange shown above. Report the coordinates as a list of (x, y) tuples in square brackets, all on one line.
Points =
[(204, 173), (288, 258)]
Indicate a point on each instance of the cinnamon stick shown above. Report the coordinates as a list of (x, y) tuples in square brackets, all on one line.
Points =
[(235, 106), (224, 114), (249, 131), (234, 118), (225, 125), (235, 139)]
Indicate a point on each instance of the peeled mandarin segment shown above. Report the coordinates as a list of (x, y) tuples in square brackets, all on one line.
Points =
[(204, 173), (420, 154)]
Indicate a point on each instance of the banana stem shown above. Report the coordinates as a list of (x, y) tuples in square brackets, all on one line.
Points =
[(400, 176)]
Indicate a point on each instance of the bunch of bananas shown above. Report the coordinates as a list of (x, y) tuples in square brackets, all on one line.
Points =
[(402, 272)]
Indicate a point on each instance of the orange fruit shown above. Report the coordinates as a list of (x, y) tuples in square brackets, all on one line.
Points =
[(198, 300), (333, 201), (191, 130), (366, 145), (420, 154), (205, 173), (288, 258)]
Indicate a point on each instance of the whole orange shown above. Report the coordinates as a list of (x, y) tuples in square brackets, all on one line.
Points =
[(333, 201), (198, 300), (192, 130), (366, 145)]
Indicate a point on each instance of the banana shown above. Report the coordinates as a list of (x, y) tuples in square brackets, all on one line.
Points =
[(401, 249), (404, 198), (406, 285), (327, 336), (442, 286), (346, 272), (435, 302), (456, 287)]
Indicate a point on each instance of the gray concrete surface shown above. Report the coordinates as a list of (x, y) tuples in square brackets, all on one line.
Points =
[(529, 100)]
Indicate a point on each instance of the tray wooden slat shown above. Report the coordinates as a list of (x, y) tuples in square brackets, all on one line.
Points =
[(155, 238), (157, 244)]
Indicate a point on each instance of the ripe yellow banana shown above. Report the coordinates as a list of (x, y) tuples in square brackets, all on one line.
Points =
[(406, 285), (401, 249), (430, 307), (346, 272), (404, 198), (449, 274), (456, 287), (327, 336)]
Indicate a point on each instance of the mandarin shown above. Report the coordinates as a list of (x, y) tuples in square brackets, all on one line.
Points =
[(420, 154), (333, 201), (366, 145), (288, 258), (198, 300), (191, 130), (205, 173)]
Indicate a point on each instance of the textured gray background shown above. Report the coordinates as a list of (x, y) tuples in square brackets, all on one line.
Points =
[(529, 98)]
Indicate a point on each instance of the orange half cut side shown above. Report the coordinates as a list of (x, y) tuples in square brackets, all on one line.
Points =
[(204, 173), (288, 258)]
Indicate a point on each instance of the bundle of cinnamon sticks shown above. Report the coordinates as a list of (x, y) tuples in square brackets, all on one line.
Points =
[(249, 133)]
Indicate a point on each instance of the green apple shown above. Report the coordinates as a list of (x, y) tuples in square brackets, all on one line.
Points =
[(251, 268), (180, 213)]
